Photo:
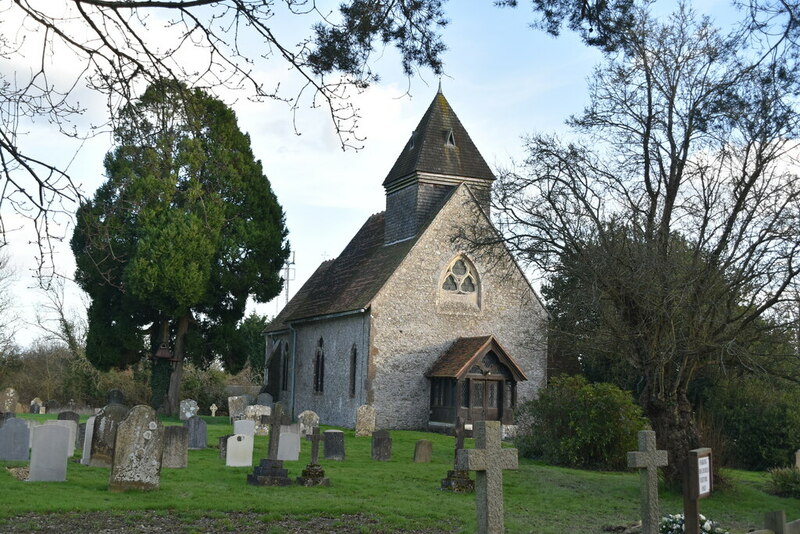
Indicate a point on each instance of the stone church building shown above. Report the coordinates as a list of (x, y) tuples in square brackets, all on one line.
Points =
[(410, 318)]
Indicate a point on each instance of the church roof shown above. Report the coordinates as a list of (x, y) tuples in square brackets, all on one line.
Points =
[(465, 351), (348, 282), (440, 145)]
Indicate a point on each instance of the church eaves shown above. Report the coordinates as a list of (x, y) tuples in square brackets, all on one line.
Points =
[(440, 145)]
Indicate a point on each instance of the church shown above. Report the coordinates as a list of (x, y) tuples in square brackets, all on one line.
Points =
[(410, 317)]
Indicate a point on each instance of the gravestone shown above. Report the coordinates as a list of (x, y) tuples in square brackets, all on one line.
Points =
[(236, 406), (334, 445), (87, 440), (36, 407), (213, 408), (308, 421), (264, 399), (198, 433), (48, 455), (79, 439), (423, 451), (36, 400), (244, 426), (188, 409), (43, 410), (239, 451), (381, 446), (270, 471), (223, 445), (647, 459), (105, 434), (136, 464), (259, 414), (31, 425), (69, 416), (289, 446), (365, 420), (14, 441), (313, 474), (115, 396), (488, 459), (458, 480), (176, 447), (8, 400), (73, 432)]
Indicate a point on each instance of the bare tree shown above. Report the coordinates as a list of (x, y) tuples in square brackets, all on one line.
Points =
[(7, 320), (56, 54), (677, 207), (58, 321)]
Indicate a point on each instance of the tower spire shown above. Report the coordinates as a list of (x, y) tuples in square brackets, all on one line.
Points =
[(440, 86)]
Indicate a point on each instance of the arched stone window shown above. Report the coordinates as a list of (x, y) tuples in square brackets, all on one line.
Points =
[(319, 367), (459, 286), (353, 363)]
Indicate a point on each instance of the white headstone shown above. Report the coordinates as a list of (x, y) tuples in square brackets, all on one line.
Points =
[(49, 454), (308, 420), (289, 444), (244, 426), (87, 441), (239, 451)]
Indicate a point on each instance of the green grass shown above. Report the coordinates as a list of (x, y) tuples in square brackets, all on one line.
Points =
[(398, 494)]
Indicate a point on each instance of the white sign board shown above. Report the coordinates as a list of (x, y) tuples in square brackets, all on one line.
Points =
[(703, 475)]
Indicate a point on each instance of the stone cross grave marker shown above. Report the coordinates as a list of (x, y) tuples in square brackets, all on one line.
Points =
[(488, 459), (308, 421), (313, 474), (138, 449), (458, 480), (315, 438), (270, 471), (213, 409), (647, 459)]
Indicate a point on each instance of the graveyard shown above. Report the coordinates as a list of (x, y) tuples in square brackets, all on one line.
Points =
[(391, 493)]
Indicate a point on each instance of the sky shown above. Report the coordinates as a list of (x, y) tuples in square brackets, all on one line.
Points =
[(503, 79)]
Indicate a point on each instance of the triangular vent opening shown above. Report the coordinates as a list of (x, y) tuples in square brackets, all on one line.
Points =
[(451, 138), (412, 141)]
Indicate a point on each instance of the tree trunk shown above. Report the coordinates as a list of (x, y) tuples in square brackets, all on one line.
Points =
[(174, 393), (676, 432)]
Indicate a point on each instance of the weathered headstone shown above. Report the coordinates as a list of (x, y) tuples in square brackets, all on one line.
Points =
[(244, 426), (31, 425), (176, 447), (239, 451), (43, 410), (647, 459), (259, 414), (236, 406), (69, 416), (105, 434), (265, 399), (48, 455), (115, 396), (188, 408), (334, 445), (87, 440), (198, 432), (423, 451), (14, 440), (73, 432), (270, 471), (223, 445), (36, 407), (381, 445), (313, 474), (308, 421), (81, 436), (36, 400), (458, 480), (289, 446), (365, 420), (488, 459), (213, 409), (8, 400), (136, 464)]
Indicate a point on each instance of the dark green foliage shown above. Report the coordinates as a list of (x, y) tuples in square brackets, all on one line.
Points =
[(760, 419), (251, 332), (784, 482), (207, 387), (185, 229), (578, 424)]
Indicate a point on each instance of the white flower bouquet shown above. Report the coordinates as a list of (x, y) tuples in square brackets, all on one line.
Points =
[(673, 524)]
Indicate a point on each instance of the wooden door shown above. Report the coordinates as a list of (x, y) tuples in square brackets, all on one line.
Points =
[(485, 400)]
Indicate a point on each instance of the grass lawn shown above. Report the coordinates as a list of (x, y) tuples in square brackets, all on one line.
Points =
[(398, 494)]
